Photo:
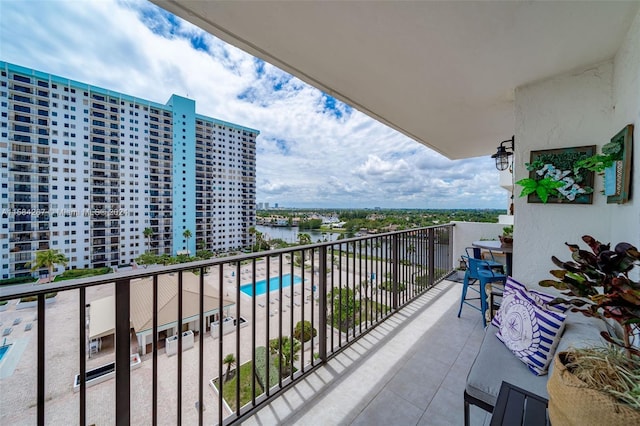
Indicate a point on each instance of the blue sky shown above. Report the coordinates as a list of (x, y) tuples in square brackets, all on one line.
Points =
[(313, 151)]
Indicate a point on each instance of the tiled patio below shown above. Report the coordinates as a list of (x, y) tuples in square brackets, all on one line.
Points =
[(411, 370)]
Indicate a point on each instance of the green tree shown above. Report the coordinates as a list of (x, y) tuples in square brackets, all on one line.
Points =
[(147, 258), (148, 233), (304, 239), (344, 304), (279, 243), (48, 259), (229, 361), (187, 234), (282, 349), (304, 331), (204, 254), (259, 243)]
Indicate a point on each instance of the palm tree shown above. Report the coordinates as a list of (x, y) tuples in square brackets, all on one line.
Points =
[(187, 234), (48, 259), (148, 233), (229, 361), (282, 348), (304, 239)]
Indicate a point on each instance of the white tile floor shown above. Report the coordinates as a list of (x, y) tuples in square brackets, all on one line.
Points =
[(411, 370)]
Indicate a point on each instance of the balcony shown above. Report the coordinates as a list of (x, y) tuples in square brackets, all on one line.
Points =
[(404, 303)]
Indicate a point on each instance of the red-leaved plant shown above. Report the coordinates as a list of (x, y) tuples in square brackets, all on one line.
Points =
[(601, 279)]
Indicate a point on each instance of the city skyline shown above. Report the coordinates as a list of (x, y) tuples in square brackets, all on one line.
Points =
[(313, 151)]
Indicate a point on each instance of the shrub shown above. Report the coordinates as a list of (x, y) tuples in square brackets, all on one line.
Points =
[(71, 274), (17, 280), (35, 298), (388, 286), (3, 302), (262, 362), (304, 331)]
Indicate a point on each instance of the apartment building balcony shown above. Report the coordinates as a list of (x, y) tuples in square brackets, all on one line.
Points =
[(321, 267), (22, 159), (22, 188)]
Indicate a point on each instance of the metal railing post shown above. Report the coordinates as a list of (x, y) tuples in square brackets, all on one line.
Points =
[(431, 252), (41, 359), (451, 229), (82, 339), (395, 265), (322, 303), (123, 357)]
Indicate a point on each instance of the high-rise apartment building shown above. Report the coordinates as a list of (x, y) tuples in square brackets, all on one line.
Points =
[(85, 170)]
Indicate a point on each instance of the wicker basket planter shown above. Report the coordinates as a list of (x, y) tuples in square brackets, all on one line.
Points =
[(572, 402)]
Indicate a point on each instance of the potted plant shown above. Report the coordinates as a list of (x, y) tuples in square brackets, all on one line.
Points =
[(593, 382), (506, 239)]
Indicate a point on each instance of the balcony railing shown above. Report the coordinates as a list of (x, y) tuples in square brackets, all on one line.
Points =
[(343, 289)]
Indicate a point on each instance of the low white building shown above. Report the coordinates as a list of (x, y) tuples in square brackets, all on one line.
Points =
[(102, 311)]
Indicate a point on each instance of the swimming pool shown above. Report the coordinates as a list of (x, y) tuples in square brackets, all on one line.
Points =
[(3, 350), (274, 284)]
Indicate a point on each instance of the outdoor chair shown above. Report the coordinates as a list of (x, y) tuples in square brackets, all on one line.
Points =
[(479, 271), (476, 254)]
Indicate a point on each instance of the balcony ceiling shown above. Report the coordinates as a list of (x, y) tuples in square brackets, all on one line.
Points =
[(442, 73)]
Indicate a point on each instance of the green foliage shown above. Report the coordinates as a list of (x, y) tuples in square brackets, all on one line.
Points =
[(17, 280), (245, 375), (204, 254), (147, 259), (564, 161), (388, 286), (304, 331), (310, 224), (597, 163), (507, 231), (48, 259), (600, 278), (72, 274), (304, 239), (543, 187), (229, 361), (278, 243), (263, 361), (282, 348), (422, 281), (345, 305), (35, 298)]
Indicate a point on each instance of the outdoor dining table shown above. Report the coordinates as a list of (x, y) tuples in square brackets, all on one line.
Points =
[(494, 246)]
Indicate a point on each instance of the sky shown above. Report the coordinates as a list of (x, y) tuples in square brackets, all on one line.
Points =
[(313, 150)]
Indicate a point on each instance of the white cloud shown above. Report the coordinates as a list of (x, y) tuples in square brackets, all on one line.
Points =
[(311, 151)]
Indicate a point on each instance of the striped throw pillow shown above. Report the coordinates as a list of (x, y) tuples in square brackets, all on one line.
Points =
[(530, 331)]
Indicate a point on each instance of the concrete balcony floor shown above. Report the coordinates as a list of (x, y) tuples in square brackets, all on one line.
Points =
[(411, 370)]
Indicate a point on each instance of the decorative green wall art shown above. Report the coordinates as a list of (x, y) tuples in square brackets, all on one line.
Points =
[(555, 176)]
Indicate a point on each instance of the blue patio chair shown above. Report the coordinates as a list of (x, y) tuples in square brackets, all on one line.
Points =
[(479, 271), (475, 253)]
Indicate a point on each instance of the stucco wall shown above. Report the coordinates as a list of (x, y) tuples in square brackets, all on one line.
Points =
[(586, 107), (465, 233), (626, 110)]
